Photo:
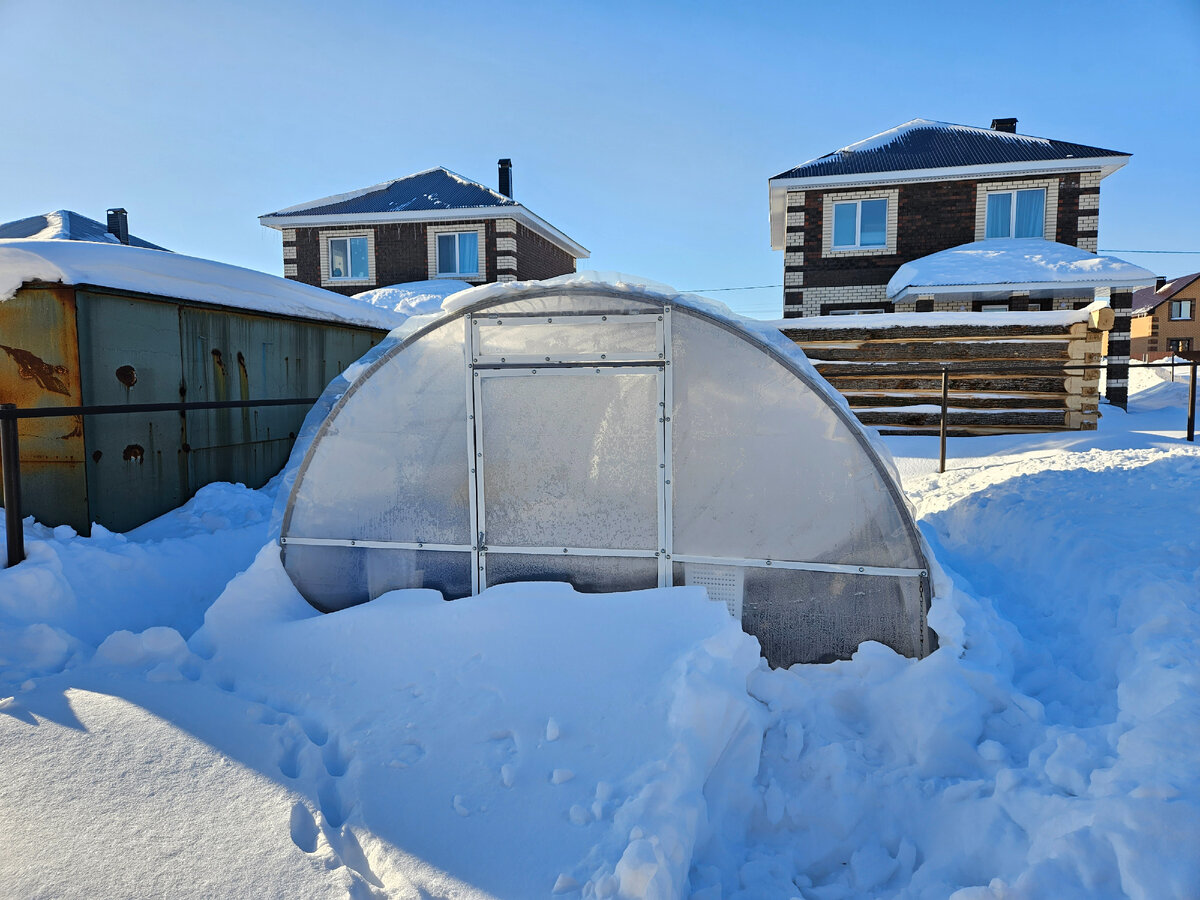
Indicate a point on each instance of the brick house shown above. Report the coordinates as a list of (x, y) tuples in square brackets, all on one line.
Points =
[(1164, 320), (849, 220), (433, 224)]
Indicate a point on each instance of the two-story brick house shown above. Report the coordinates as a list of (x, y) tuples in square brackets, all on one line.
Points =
[(848, 221), (433, 224), (1165, 321)]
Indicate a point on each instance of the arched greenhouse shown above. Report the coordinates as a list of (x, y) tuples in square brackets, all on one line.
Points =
[(614, 437)]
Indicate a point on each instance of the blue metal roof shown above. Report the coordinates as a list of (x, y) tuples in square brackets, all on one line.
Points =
[(65, 225), (434, 189), (925, 144)]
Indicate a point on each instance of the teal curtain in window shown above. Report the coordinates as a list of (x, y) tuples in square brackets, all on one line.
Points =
[(999, 215), (338, 267), (872, 231), (445, 255), (468, 253), (359, 267), (1031, 213), (844, 224)]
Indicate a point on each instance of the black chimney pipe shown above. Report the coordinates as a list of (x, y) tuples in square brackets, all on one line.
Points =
[(506, 177), (1009, 126), (118, 224)]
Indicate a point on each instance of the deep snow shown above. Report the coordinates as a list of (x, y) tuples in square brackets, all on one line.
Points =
[(166, 734)]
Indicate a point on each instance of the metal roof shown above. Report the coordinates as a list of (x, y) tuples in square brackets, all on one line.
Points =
[(926, 144), (1148, 298), (433, 189), (65, 225)]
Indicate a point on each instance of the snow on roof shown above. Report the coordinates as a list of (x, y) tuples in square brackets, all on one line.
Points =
[(179, 277), (928, 144), (436, 188), (1148, 298), (414, 298), (1027, 263), (66, 225), (1060, 317)]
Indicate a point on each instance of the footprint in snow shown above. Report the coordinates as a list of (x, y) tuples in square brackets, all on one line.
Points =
[(304, 829), (407, 754)]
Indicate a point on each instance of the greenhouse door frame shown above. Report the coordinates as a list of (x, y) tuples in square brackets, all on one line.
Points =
[(604, 359)]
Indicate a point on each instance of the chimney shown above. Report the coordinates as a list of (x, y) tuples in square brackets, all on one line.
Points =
[(1008, 126), (506, 177), (118, 225), (1162, 283)]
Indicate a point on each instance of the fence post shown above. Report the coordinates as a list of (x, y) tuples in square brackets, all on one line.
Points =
[(10, 462), (1191, 434), (942, 428)]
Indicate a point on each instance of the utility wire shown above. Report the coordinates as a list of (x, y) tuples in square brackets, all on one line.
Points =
[(1174, 252)]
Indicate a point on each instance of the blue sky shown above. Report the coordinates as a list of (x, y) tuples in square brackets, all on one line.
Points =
[(646, 132)]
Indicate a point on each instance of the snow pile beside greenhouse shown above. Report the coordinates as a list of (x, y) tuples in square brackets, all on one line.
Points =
[(414, 298), (531, 740)]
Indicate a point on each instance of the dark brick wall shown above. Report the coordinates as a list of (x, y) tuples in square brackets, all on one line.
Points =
[(932, 216), (401, 253), (538, 258)]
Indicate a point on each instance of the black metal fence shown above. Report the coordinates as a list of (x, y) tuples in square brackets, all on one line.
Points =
[(10, 452)]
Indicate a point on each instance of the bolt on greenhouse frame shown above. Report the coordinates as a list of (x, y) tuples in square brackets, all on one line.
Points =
[(615, 438)]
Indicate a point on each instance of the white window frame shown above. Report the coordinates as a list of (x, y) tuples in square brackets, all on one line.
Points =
[(858, 244), (1012, 212), (442, 273), (433, 232), (1049, 212), (855, 311), (1191, 310), (329, 276), (891, 222)]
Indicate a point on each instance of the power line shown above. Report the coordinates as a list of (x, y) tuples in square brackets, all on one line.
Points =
[(750, 287), (1174, 252)]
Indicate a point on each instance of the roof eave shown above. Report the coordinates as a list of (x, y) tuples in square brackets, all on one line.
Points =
[(1088, 284), (778, 186), (531, 220)]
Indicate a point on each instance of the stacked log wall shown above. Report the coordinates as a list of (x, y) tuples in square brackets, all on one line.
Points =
[(889, 375)]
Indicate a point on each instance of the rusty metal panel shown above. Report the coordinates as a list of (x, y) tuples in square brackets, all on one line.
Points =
[(129, 353), (232, 355), (39, 367)]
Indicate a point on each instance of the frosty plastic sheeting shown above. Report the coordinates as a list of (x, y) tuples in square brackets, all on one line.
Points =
[(614, 437)]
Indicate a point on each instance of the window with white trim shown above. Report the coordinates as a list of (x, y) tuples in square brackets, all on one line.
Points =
[(1182, 309), (348, 259), (865, 311), (1016, 214), (860, 224), (458, 253)]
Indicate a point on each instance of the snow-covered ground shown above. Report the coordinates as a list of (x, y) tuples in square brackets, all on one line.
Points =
[(178, 722)]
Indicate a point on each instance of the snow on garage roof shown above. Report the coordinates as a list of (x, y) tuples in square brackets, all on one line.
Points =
[(178, 277), (1003, 264)]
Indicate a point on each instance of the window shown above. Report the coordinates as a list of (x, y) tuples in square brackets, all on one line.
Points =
[(1020, 214), (860, 223), (458, 253), (856, 312), (1180, 345), (1181, 309), (348, 259)]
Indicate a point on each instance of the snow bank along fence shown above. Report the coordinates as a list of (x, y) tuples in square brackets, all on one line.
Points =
[(1009, 369), (10, 450), (615, 438)]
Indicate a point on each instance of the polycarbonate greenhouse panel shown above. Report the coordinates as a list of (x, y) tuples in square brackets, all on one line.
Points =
[(389, 468), (570, 459), (338, 577), (588, 574), (764, 466)]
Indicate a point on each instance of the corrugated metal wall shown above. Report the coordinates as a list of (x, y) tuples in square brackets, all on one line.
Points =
[(110, 347)]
